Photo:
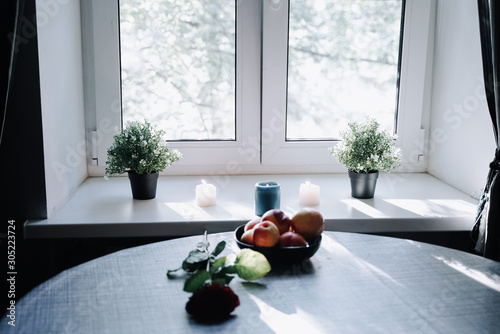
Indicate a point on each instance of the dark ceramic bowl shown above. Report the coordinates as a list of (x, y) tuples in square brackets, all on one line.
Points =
[(293, 254)]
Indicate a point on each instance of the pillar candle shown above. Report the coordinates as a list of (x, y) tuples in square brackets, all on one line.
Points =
[(267, 196), (309, 194), (206, 194)]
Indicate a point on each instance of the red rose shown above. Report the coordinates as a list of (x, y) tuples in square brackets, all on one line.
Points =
[(212, 302)]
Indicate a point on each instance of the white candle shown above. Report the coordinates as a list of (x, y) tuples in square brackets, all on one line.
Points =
[(206, 194), (309, 194)]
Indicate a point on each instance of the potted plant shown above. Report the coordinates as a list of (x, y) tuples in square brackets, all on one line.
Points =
[(139, 150), (365, 150)]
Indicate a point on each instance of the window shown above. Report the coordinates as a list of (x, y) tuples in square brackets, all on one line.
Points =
[(343, 63), (178, 66), (262, 108)]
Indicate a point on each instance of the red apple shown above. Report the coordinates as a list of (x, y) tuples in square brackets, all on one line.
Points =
[(251, 224), (247, 237), (308, 223), (292, 239), (265, 234), (279, 218)]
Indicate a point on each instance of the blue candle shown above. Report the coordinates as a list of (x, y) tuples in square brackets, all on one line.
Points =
[(267, 196)]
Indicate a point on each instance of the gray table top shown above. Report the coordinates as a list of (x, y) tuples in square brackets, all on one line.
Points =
[(354, 283)]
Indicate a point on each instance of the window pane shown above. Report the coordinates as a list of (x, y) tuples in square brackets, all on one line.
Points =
[(178, 66), (343, 64)]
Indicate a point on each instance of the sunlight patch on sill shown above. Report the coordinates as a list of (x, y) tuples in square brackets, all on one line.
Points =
[(435, 207), (364, 208), (190, 211)]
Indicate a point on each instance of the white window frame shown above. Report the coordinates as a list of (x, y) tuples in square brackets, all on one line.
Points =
[(412, 96), (209, 156), (261, 50)]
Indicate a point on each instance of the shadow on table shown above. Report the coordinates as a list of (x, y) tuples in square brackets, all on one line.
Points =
[(277, 299), (305, 267)]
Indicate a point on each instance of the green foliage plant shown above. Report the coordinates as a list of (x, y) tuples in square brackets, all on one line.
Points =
[(365, 148), (139, 148)]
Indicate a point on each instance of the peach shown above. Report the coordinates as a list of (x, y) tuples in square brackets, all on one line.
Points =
[(265, 234), (247, 237), (251, 224), (291, 239), (279, 218), (308, 223)]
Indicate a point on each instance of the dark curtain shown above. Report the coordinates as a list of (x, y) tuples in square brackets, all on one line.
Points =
[(486, 231)]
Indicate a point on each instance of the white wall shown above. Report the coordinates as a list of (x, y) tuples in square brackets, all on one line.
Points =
[(461, 142), (61, 81)]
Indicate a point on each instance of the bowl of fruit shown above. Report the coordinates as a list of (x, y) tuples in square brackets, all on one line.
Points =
[(280, 238)]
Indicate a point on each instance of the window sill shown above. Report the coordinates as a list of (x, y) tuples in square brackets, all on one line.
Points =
[(403, 203)]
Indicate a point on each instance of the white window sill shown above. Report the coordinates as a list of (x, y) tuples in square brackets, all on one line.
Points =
[(402, 203)]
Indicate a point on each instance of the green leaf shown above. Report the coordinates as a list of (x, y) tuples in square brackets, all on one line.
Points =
[(231, 269), (219, 248), (222, 276), (224, 280), (196, 281), (195, 260), (220, 262), (251, 265)]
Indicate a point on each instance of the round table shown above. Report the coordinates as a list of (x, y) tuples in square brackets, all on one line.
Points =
[(354, 284)]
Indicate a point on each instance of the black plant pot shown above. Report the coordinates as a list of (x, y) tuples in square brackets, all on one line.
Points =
[(143, 185), (363, 184)]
